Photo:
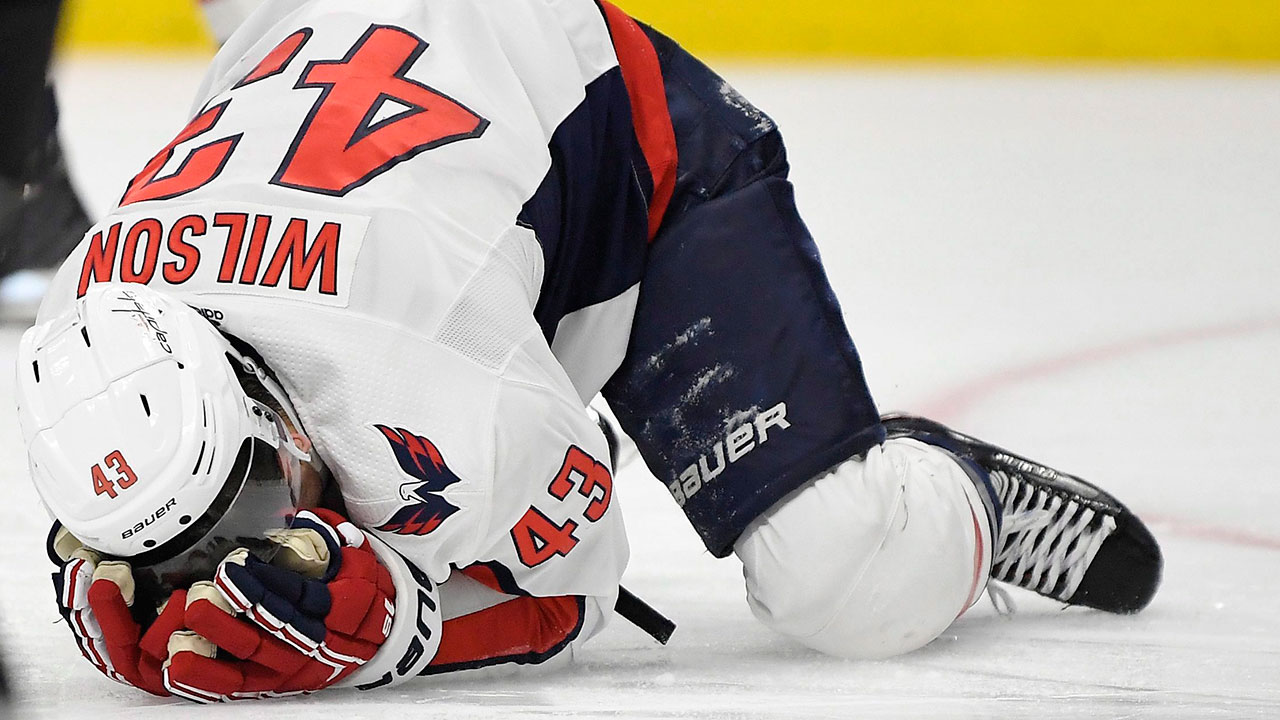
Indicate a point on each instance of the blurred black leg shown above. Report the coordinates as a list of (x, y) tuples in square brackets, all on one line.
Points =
[(41, 217)]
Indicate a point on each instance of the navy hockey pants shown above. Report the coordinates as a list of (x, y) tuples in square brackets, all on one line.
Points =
[(741, 382)]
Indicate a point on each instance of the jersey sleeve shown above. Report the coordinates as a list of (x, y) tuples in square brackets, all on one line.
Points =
[(535, 560), (453, 464), (571, 524), (552, 576)]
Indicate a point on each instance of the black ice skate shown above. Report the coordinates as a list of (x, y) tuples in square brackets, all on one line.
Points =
[(41, 222), (1060, 536)]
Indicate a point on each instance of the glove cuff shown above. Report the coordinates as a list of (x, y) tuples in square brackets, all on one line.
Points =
[(415, 632)]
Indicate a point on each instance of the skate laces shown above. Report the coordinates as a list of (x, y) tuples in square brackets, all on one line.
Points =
[(1048, 537), (1000, 599)]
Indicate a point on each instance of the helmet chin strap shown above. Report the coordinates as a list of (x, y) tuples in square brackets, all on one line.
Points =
[(295, 440)]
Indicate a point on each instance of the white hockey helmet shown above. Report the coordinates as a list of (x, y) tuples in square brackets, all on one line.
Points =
[(142, 440)]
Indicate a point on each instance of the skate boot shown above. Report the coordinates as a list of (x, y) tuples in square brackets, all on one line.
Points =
[(1058, 535), (41, 222)]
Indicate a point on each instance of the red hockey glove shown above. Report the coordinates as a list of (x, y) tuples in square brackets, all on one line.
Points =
[(96, 599), (318, 611)]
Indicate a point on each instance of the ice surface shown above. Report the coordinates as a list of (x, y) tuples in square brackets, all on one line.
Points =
[(1080, 264)]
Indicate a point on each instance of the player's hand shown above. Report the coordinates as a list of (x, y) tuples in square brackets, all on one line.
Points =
[(321, 608), (97, 600)]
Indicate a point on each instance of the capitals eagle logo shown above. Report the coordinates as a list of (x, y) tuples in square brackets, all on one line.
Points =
[(420, 459)]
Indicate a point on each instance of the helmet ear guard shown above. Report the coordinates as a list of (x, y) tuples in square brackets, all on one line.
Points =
[(151, 437), (260, 384)]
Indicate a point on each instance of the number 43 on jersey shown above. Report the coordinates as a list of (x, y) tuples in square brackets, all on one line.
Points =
[(537, 537), (367, 118)]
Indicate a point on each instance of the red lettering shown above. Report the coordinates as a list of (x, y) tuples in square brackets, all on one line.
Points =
[(201, 165), (278, 59), (589, 475), (368, 118), (128, 257), (235, 224), (100, 260), (340, 147), (101, 485), (253, 257), (119, 464), (538, 538), (176, 273), (303, 261), (125, 478)]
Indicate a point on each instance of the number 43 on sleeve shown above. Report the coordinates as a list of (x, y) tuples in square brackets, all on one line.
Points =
[(537, 537)]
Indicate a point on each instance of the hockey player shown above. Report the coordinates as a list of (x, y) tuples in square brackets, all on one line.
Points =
[(379, 275)]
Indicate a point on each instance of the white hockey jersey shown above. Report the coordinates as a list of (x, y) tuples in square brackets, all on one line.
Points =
[(345, 200)]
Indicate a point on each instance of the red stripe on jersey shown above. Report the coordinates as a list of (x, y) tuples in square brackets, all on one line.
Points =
[(649, 114), (523, 629)]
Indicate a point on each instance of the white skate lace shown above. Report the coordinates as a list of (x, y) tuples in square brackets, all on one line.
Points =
[(1047, 540), (1000, 599)]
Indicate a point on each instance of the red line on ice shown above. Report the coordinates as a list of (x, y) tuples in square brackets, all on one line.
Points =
[(1215, 534), (961, 399)]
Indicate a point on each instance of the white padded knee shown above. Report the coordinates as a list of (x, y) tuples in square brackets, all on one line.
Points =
[(874, 558)]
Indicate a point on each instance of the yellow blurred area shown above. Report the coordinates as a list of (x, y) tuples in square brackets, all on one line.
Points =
[(133, 25), (1215, 30)]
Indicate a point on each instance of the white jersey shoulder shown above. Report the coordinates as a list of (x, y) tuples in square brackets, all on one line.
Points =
[(344, 200)]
